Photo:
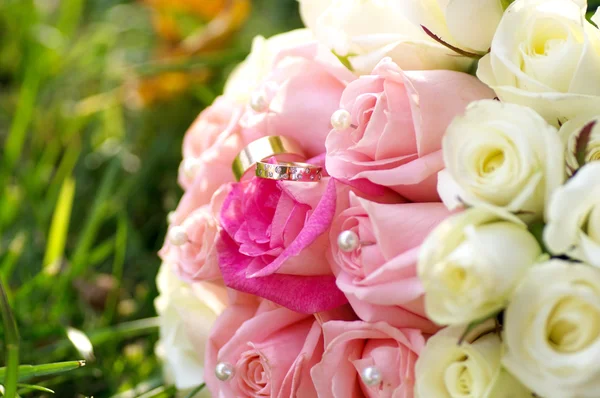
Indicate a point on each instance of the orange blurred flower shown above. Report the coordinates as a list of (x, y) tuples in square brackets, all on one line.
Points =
[(188, 27)]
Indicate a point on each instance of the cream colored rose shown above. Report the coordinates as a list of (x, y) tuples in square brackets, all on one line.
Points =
[(503, 155), (364, 32), (472, 369), (573, 225), (569, 133), (552, 330), (248, 75), (545, 55), (470, 264), (186, 314)]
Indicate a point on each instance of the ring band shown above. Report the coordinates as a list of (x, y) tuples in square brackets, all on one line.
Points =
[(262, 149), (289, 171)]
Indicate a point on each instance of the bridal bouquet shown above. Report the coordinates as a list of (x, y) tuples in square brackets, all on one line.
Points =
[(401, 200)]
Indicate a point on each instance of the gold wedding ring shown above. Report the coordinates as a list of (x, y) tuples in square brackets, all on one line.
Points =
[(289, 171), (262, 149)]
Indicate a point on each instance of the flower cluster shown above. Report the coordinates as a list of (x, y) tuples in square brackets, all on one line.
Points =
[(450, 247)]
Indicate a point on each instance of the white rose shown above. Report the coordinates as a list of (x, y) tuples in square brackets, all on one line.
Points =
[(472, 369), (569, 133), (248, 75), (185, 323), (470, 264), (552, 330), (364, 32), (503, 155), (573, 225), (545, 55)]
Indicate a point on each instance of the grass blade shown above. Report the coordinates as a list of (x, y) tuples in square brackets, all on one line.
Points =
[(11, 372), (59, 227), (31, 387), (160, 392), (26, 372), (118, 264), (97, 337)]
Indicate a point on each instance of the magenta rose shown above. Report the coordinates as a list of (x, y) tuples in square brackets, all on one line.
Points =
[(274, 241), (399, 119), (379, 277), (269, 348), (302, 90), (351, 347)]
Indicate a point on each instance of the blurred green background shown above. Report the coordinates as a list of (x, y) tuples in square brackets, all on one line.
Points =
[(95, 97)]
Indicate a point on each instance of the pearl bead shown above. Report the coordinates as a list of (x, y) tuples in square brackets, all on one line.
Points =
[(177, 236), (259, 102), (171, 217), (340, 120), (371, 376), (190, 166), (348, 241), (224, 371)]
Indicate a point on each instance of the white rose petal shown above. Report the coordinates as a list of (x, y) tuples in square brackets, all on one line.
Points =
[(552, 330), (365, 32), (472, 23), (470, 264), (573, 226), (503, 155), (471, 369), (185, 323), (545, 55)]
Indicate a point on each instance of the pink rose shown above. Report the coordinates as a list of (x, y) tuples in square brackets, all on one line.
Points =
[(206, 137), (270, 349), (274, 241), (213, 170), (400, 118), (379, 278), (303, 89), (350, 347), (195, 257)]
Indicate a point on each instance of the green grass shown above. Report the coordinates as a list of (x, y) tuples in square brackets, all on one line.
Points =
[(86, 182)]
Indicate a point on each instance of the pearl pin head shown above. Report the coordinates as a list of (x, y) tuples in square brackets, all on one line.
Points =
[(259, 102), (224, 371), (190, 166), (371, 376), (348, 241), (341, 119), (178, 236)]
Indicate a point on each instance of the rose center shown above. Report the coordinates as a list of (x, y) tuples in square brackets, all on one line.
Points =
[(491, 162), (253, 378), (458, 379), (572, 325), (548, 36), (454, 277)]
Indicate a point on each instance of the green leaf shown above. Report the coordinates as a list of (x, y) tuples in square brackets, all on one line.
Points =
[(29, 371), (196, 390), (471, 326), (344, 59), (537, 230), (506, 3)]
